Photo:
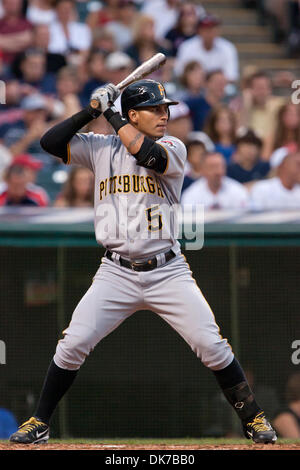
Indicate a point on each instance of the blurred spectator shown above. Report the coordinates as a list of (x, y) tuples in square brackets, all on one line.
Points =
[(286, 131), (236, 102), (10, 112), (41, 11), (41, 38), (122, 26), (275, 12), (68, 87), (180, 122), (292, 11), (4, 70), (24, 135), (198, 144), (247, 165), (40, 43), (104, 39), (17, 191), (78, 191), (191, 81), (15, 30), (67, 34), (33, 72), (95, 72), (24, 138), (214, 190), (212, 96), (144, 43), (118, 65), (211, 50), (221, 127), (5, 160), (31, 167), (101, 17), (284, 79), (284, 17), (164, 13), (85, 7), (283, 190), (186, 26), (259, 105), (287, 421)]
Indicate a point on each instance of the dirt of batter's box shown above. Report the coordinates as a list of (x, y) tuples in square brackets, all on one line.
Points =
[(122, 447)]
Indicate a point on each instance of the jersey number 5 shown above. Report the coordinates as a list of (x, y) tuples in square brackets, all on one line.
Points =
[(154, 218)]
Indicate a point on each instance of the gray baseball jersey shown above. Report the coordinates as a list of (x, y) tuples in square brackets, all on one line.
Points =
[(132, 204), (121, 187)]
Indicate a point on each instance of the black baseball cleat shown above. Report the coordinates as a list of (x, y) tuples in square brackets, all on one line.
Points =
[(260, 430), (31, 432)]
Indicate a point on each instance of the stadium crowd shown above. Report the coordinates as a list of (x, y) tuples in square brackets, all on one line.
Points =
[(242, 137)]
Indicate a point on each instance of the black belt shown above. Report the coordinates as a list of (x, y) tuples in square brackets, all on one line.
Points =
[(147, 265)]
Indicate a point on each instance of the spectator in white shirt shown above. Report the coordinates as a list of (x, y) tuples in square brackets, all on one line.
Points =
[(214, 190), (210, 50), (164, 13), (40, 11), (283, 190), (122, 26), (67, 34)]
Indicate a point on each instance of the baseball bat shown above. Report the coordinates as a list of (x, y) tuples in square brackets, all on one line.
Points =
[(147, 67)]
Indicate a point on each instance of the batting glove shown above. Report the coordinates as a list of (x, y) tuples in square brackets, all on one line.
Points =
[(106, 96)]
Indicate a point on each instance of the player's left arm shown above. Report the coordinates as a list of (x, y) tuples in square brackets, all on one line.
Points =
[(176, 155), (146, 151)]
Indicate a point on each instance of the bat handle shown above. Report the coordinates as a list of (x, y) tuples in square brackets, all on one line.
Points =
[(94, 104)]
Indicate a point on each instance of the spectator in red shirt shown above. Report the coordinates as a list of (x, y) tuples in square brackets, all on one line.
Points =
[(15, 30), (17, 191)]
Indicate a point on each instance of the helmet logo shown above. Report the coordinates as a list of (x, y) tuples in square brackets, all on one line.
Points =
[(161, 90)]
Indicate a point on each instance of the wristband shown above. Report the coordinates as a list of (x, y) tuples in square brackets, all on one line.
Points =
[(93, 112), (114, 118)]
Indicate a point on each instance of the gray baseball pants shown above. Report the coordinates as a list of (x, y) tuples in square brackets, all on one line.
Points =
[(117, 292)]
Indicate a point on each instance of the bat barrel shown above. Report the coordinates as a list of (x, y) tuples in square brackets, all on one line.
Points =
[(144, 69)]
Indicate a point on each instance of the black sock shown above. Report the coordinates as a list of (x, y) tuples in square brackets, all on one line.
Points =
[(230, 376), (57, 383), (235, 387)]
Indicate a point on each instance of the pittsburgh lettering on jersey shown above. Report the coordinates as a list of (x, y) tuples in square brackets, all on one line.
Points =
[(129, 184)]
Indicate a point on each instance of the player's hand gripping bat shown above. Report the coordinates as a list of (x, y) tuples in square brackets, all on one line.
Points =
[(144, 69)]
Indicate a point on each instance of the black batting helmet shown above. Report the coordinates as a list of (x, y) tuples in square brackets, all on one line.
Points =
[(143, 93)]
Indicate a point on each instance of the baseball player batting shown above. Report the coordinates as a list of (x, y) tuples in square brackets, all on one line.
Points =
[(136, 167)]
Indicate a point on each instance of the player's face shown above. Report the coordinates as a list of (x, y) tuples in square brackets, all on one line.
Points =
[(152, 120)]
